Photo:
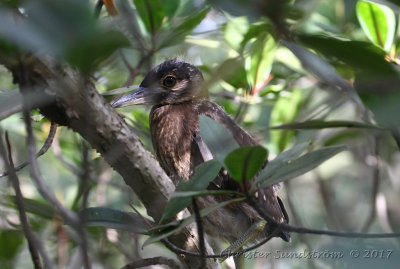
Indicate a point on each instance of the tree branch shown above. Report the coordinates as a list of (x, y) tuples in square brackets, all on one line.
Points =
[(46, 145), (85, 111), (34, 245)]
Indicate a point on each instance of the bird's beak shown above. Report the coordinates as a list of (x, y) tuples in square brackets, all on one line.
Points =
[(139, 97)]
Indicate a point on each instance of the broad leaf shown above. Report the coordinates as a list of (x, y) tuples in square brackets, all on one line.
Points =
[(177, 34), (10, 243), (219, 140), (203, 175), (151, 12), (358, 55), (287, 168), (244, 163), (259, 63), (89, 51), (378, 22)]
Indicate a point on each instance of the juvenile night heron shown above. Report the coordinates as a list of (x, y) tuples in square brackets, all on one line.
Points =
[(176, 91)]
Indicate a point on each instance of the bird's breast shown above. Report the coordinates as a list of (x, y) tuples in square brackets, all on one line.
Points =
[(173, 128)]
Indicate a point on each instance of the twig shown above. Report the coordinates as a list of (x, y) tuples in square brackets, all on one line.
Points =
[(34, 245), (46, 145), (324, 191), (134, 71), (97, 9), (375, 188), (84, 180), (297, 221), (66, 214), (58, 153), (178, 250), (152, 261), (303, 230), (278, 227), (200, 233), (37, 179), (396, 136)]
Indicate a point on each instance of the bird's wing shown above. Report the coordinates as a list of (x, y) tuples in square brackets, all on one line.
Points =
[(266, 197), (215, 112)]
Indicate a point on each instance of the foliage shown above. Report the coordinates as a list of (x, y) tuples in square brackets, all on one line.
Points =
[(315, 82)]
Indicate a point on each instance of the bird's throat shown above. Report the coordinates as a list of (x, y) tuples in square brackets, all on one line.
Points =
[(173, 128)]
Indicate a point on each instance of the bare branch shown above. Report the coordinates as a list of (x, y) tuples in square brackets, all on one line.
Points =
[(375, 187), (152, 261), (200, 232), (34, 245), (46, 145), (37, 178)]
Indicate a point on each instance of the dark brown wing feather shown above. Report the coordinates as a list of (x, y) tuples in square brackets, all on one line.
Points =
[(266, 197)]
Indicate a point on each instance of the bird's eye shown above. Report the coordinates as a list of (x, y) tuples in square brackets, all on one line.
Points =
[(169, 81)]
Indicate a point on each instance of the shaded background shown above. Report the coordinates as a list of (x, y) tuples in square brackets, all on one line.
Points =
[(260, 80)]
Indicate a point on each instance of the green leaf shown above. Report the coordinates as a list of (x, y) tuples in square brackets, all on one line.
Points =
[(152, 14), (378, 22), (32, 206), (287, 167), (91, 50), (232, 71), (286, 156), (255, 31), (385, 106), (259, 64), (203, 175), (358, 55), (10, 243), (114, 219), (244, 163), (320, 124), (167, 230), (82, 42), (170, 7), (219, 140), (177, 34), (286, 109)]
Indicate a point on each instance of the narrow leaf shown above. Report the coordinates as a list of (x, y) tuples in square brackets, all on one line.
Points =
[(286, 156), (288, 168), (32, 206), (203, 175), (177, 34), (319, 124), (191, 194), (114, 219)]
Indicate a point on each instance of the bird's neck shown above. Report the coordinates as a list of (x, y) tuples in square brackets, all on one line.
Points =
[(173, 128)]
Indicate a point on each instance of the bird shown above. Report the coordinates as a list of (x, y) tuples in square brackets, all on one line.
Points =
[(176, 91)]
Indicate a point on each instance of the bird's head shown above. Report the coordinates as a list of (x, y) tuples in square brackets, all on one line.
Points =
[(171, 82)]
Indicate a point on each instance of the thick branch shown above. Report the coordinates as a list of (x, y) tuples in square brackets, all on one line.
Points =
[(80, 107)]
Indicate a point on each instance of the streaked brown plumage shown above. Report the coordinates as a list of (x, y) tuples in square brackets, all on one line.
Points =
[(175, 89)]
